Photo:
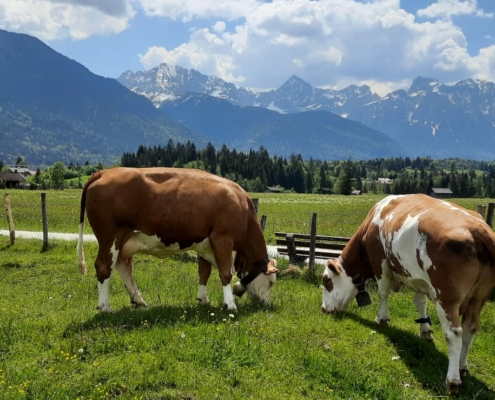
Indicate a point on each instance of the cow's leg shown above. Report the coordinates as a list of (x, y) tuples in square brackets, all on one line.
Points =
[(105, 261), (470, 326), (384, 287), (425, 331), (124, 268), (204, 272), (449, 318), (222, 248)]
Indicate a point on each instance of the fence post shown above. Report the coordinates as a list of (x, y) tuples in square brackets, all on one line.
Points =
[(263, 222), (489, 215), (255, 203), (45, 221), (312, 246), (481, 209), (10, 220)]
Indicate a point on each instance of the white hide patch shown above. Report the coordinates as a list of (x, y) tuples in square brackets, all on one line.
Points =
[(406, 245), (452, 207), (103, 296), (115, 254), (146, 244), (228, 298)]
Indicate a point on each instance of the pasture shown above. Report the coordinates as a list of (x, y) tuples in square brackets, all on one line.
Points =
[(55, 345)]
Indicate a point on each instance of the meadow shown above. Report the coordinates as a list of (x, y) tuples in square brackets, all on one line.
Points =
[(55, 345)]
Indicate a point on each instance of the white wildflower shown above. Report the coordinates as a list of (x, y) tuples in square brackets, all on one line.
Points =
[(231, 315), (182, 335), (212, 314), (81, 351), (395, 358)]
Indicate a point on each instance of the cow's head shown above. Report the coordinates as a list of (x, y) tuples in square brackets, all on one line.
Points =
[(339, 289), (258, 282)]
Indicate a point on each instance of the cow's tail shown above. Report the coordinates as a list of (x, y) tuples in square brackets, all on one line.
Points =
[(80, 249)]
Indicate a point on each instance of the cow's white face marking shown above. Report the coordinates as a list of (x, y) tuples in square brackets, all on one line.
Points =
[(260, 288), (342, 293)]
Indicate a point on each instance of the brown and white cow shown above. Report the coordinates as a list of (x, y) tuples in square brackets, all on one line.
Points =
[(438, 249), (164, 211)]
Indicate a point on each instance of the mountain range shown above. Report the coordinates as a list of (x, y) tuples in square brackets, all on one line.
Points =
[(428, 119), (54, 109)]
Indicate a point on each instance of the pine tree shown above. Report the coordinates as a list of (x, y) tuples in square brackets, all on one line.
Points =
[(346, 178)]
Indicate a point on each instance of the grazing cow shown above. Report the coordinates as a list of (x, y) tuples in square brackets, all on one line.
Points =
[(164, 211), (436, 248)]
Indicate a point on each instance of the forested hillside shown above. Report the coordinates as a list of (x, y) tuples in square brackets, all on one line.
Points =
[(54, 109), (256, 170)]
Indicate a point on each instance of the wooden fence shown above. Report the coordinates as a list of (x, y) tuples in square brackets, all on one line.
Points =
[(481, 208), (44, 218)]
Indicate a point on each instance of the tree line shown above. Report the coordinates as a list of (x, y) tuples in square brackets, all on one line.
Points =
[(257, 170)]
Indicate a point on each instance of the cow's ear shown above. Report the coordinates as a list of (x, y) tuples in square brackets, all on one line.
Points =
[(334, 267), (271, 267)]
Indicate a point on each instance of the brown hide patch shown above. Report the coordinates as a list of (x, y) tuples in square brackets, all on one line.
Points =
[(396, 266), (332, 264), (183, 244), (327, 282), (419, 260), (482, 252), (457, 247)]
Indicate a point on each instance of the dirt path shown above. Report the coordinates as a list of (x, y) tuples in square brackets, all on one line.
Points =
[(272, 250)]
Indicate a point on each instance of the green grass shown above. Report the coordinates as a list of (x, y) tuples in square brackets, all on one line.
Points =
[(54, 344)]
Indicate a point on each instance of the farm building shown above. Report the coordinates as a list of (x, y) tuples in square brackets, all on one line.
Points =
[(356, 192), (273, 189), (441, 193), (324, 190), (12, 180), (22, 170)]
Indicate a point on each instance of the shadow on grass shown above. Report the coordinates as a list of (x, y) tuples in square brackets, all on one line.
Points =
[(424, 360), (131, 318)]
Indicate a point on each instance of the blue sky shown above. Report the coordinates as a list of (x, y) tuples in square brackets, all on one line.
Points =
[(260, 44)]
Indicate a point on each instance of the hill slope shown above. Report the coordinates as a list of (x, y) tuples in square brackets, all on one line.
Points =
[(54, 109), (317, 134)]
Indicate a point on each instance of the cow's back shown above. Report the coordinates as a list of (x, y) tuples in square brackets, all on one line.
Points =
[(175, 204), (425, 239)]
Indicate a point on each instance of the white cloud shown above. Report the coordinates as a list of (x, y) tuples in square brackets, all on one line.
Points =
[(206, 52), (51, 19), (448, 8), (219, 26), (260, 44), (332, 41), (187, 10)]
